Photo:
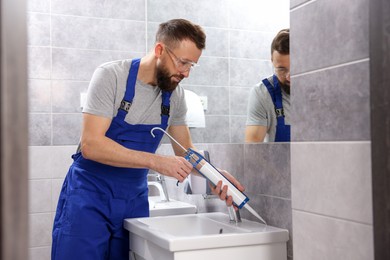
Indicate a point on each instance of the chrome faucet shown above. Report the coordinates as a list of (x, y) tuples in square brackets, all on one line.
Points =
[(234, 215), (160, 184)]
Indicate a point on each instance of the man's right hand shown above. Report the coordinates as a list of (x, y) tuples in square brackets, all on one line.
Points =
[(173, 166)]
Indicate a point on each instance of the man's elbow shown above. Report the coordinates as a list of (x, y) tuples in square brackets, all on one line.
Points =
[(86, 150), (253, 139)]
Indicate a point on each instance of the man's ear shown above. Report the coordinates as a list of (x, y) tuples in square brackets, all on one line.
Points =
[(158, 49)]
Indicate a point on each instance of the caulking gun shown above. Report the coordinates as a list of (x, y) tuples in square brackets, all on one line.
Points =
[(207, 170)]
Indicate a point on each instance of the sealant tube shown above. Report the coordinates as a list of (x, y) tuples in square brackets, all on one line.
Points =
[(214, 176)]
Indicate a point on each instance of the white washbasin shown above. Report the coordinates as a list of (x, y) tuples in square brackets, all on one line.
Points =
[(204, 236), (171, 207)]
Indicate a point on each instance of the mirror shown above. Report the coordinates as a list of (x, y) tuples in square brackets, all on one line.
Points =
[(68, 40), (268, 112)]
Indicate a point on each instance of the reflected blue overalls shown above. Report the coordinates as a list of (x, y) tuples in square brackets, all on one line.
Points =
[(282, 130), (96, 198)]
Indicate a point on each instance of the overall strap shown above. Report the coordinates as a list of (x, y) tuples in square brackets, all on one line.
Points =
[(276, 95), (130, 89), (165, 107)]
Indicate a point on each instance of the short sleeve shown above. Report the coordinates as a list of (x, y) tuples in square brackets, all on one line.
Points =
[(101, 94), (256, 114), (180, 111)]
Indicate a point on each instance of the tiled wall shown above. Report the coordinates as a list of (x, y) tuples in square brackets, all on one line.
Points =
[(331, 148), (68, 39)]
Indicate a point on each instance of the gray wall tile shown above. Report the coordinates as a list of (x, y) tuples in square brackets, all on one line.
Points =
[(66, 129), (39, 63), (217, 42), (76, 64), (93, 33), (212, 71), (118, 9), (39, 162), (66, 95), (237, 129), (39, 129), (40, 226), (333, 179), (328, 101), (42, 6), (229, 157), (38, 29), (212, 13), (206, 13), (247, 73), (327, 43), (249, 44), (39, 95), (61, 160), (238, 100), (322, 238), (40, 253), (151, 34), (215, 131), (49, 161), (39, 196), (267, 169)]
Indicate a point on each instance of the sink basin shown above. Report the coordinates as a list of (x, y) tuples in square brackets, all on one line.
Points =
[(204, 236), (171, 207)]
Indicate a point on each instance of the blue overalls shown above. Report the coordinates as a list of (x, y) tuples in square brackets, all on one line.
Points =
[(96, 198), (282, 130)]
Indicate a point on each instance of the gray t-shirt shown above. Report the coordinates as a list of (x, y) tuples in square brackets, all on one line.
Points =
[(261, 109), (107, 89)]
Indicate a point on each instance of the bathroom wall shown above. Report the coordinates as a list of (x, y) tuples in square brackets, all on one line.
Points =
[(331, 148), (68, 39)]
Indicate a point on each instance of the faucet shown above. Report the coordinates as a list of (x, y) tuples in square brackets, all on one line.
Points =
[(234, 215), (160, 184)]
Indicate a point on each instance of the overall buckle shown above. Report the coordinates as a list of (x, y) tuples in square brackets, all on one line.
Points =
[(125, 105), (165, 110), (279, 112)]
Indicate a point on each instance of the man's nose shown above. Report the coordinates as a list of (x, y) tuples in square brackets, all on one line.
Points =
[(185, 73)]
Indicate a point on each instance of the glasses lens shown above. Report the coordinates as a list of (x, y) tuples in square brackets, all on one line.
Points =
[(181, 65), (282, 72), (184, 66)]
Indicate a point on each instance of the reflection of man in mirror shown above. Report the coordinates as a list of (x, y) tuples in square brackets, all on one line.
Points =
[(269, 101)]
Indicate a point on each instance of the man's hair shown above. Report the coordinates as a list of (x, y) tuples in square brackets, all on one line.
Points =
[(174, 31), (281, 42)]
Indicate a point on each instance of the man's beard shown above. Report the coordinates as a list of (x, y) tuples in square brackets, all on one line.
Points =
[(164, 80), (285, 87)]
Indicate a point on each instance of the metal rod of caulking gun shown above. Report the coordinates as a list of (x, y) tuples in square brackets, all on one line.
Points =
[(170, 137)]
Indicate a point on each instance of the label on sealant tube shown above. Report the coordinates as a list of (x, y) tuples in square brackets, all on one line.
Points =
[(213, 175)]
